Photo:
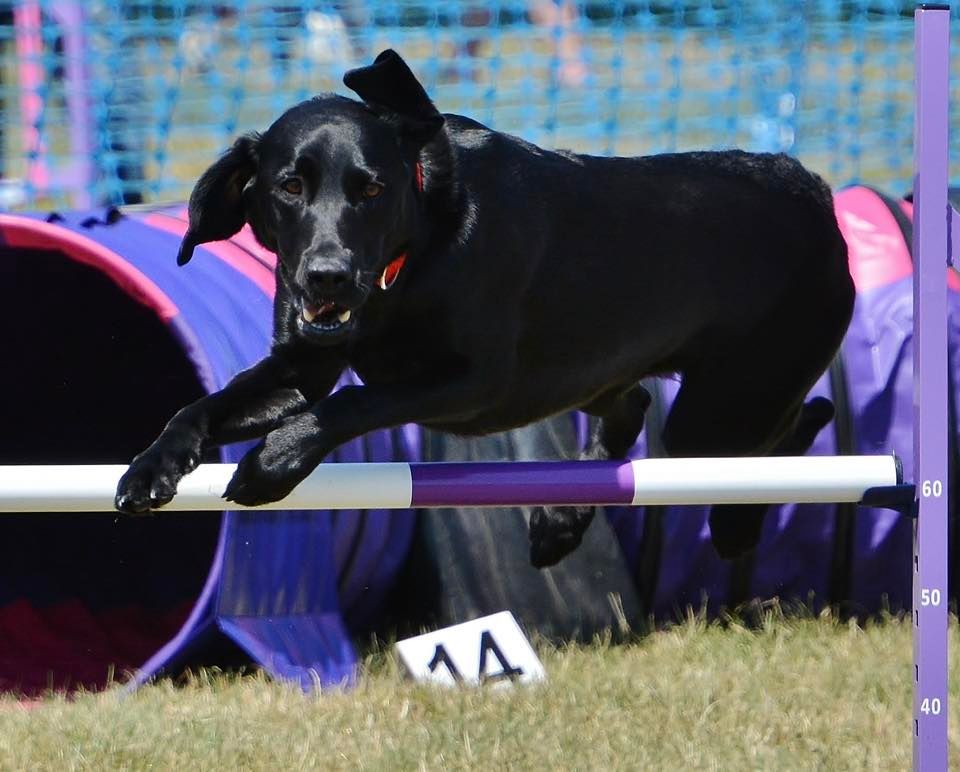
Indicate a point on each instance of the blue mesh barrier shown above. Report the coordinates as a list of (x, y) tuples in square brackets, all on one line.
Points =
[(112, 101)]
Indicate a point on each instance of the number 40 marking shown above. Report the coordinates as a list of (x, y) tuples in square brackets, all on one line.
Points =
[(931, 706)]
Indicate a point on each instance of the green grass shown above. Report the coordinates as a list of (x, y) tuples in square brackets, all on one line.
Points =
[(791, 694)]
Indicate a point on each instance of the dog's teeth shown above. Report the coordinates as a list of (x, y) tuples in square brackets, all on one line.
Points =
[(344, 317), (308, 314)]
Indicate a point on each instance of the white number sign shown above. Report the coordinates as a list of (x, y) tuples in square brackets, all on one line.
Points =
[(491, 649)]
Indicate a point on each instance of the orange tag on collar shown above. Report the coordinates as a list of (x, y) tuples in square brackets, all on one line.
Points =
[(418, 173), (391, 272)]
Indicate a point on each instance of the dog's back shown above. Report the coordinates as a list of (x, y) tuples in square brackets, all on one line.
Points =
[(625, 267)]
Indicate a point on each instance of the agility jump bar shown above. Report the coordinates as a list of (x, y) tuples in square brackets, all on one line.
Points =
[(778, 480)]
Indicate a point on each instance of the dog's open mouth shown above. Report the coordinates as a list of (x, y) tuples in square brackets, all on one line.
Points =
[(324, 316)]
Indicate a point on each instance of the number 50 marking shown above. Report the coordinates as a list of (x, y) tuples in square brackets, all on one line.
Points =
[(929, 597)]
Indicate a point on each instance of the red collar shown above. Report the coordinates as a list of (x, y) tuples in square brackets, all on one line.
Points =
[(418, 175), (389, 276), (391, 272)]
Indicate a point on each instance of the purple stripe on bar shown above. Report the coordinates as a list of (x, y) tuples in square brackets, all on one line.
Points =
[(522, 483)]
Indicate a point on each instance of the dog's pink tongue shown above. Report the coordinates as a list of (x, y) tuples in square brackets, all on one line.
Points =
[(312, 309), (325, 311)]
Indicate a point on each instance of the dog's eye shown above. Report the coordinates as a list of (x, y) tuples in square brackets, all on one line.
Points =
[(292, 185), (372, 190)]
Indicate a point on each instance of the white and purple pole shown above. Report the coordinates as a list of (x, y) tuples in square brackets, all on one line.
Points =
[(933, 221), (805, 479)]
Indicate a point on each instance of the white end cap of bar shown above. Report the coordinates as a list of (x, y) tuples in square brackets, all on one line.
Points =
[(91, 488), (765, 480)]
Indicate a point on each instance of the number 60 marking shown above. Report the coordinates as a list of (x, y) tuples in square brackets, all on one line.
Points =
[(932, 488)]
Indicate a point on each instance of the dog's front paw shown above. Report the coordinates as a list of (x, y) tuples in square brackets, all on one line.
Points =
[(555, 532), (273, 468), (151, 480)]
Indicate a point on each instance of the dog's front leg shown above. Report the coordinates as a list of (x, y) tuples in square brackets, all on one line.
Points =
[(289, 453), (252, 404)]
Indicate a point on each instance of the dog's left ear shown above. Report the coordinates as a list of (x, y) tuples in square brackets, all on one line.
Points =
[(388, 84), (216, 203)]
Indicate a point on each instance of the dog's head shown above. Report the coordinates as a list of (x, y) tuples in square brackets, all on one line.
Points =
[(334, 188)]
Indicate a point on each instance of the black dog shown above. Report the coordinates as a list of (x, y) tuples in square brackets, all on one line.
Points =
[(478, 283)]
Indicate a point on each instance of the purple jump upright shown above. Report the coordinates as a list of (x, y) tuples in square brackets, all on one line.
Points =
[(932, 218)]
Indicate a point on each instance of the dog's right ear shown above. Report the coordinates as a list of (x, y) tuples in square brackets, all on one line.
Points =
[(216, 204), (388, 84)]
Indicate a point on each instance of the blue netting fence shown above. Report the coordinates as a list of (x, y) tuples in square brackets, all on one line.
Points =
[(125, 101)]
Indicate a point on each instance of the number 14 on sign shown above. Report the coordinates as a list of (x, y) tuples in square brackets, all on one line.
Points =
[(492, 649)]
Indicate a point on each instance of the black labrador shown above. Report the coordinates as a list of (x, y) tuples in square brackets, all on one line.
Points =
[(478, 283)]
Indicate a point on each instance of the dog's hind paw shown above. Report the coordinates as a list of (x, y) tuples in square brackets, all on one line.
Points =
[(555, 532), (735, 529)]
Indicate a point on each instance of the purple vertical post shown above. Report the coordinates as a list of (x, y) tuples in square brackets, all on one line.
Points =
[(931, 221)]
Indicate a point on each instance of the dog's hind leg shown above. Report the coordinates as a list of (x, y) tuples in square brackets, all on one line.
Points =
[(557, 531), (729, 407), (735, 528)]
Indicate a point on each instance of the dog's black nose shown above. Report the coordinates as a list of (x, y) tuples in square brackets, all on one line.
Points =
[(325, 281)]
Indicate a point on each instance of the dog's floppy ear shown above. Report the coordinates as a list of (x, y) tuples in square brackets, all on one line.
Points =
[(216, 204), (388, 84)]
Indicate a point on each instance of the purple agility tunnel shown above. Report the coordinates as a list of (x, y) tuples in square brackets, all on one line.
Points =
[(105, 338)]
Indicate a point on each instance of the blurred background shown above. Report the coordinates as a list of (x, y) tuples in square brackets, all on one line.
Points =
[(121, 101)]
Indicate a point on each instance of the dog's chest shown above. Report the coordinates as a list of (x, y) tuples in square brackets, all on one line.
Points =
[(411, 352)]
